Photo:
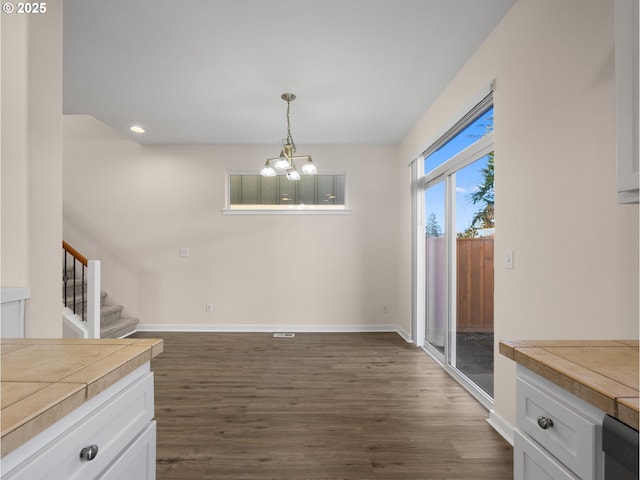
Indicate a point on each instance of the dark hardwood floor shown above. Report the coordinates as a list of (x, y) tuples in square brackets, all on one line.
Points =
[(317, 406)]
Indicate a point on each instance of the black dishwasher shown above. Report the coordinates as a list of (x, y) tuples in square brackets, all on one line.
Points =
[(620, 447)]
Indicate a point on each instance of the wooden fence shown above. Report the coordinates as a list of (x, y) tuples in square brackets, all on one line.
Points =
[(475, 285), (475, 275)]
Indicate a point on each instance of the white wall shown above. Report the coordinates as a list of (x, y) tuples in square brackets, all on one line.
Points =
[(576, 249), (134, 207), (15, 150), (32, 164)]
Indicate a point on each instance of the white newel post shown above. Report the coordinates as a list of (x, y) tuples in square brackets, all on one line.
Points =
[(93, 299)]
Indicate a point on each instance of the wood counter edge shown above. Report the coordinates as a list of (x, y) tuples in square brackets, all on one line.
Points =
[(508, 347), (625, 408), (24, 432), (628, 411)]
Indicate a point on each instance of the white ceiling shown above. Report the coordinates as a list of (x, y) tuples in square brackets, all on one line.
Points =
[(212, 71)]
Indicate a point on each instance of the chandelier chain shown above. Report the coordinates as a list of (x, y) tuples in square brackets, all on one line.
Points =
[(289, 137)]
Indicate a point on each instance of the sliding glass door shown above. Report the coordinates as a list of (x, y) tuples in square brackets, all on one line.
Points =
[(459, 228)]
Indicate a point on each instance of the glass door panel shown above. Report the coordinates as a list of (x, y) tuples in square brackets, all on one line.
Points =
[(436, 308), (472, 329)]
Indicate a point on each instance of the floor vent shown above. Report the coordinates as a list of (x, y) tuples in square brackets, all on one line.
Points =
[(283, 335)]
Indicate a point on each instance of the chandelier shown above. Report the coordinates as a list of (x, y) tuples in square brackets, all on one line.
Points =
[(285, 162)]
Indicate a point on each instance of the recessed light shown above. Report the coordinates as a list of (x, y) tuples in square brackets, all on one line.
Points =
[(136, 129)]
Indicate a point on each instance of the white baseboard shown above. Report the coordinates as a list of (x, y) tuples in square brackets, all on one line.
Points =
[(404, 334), (501, 426), (275, 328)]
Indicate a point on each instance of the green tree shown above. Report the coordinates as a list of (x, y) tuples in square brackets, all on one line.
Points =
[(432, 228), (485, 217)]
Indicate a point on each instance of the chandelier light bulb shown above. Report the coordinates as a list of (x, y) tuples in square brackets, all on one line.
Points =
[(293, 175), (309, 168), (282, 163), (268, 171)]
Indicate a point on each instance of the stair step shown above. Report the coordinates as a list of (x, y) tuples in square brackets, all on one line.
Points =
[(72, 285), (77, 300), (110, 314), (112, 324), (120, 328)]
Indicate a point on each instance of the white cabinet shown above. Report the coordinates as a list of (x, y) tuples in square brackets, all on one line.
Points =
[(118, 421), (558, 435), (627, 56), (12, 315)]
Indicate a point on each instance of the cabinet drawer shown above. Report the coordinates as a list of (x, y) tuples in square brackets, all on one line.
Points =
[(138, 462), (111, 425), (574, 437), (530, 462)]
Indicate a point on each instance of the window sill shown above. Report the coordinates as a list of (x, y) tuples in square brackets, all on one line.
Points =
[(286, 211)]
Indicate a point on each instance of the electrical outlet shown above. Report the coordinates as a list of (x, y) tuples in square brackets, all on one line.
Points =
[(183, 252), (209, 307)]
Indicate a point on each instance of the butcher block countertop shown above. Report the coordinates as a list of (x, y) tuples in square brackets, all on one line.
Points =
[(43, 380), (604, 373)]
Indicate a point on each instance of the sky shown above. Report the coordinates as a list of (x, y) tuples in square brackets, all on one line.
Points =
[(467, 179)]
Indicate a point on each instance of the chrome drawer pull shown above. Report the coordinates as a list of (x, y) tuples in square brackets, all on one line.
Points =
[(544, 422), (89, 453)]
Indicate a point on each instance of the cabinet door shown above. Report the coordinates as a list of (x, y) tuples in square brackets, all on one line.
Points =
[(138, 461), (627, 99), (530, 462)]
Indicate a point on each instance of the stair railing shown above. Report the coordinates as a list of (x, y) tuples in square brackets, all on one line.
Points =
[(76, 295)]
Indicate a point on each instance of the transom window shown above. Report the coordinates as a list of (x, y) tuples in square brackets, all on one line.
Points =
[(459, 138), (312, 193)]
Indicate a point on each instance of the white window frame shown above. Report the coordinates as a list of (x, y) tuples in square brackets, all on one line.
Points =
[(473, 152)]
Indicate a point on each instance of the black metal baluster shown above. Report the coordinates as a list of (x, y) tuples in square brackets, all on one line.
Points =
[(84, 312), (65, 278), (75, 302)]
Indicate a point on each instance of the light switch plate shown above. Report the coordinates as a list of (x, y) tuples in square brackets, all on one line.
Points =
[(508, 259)]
